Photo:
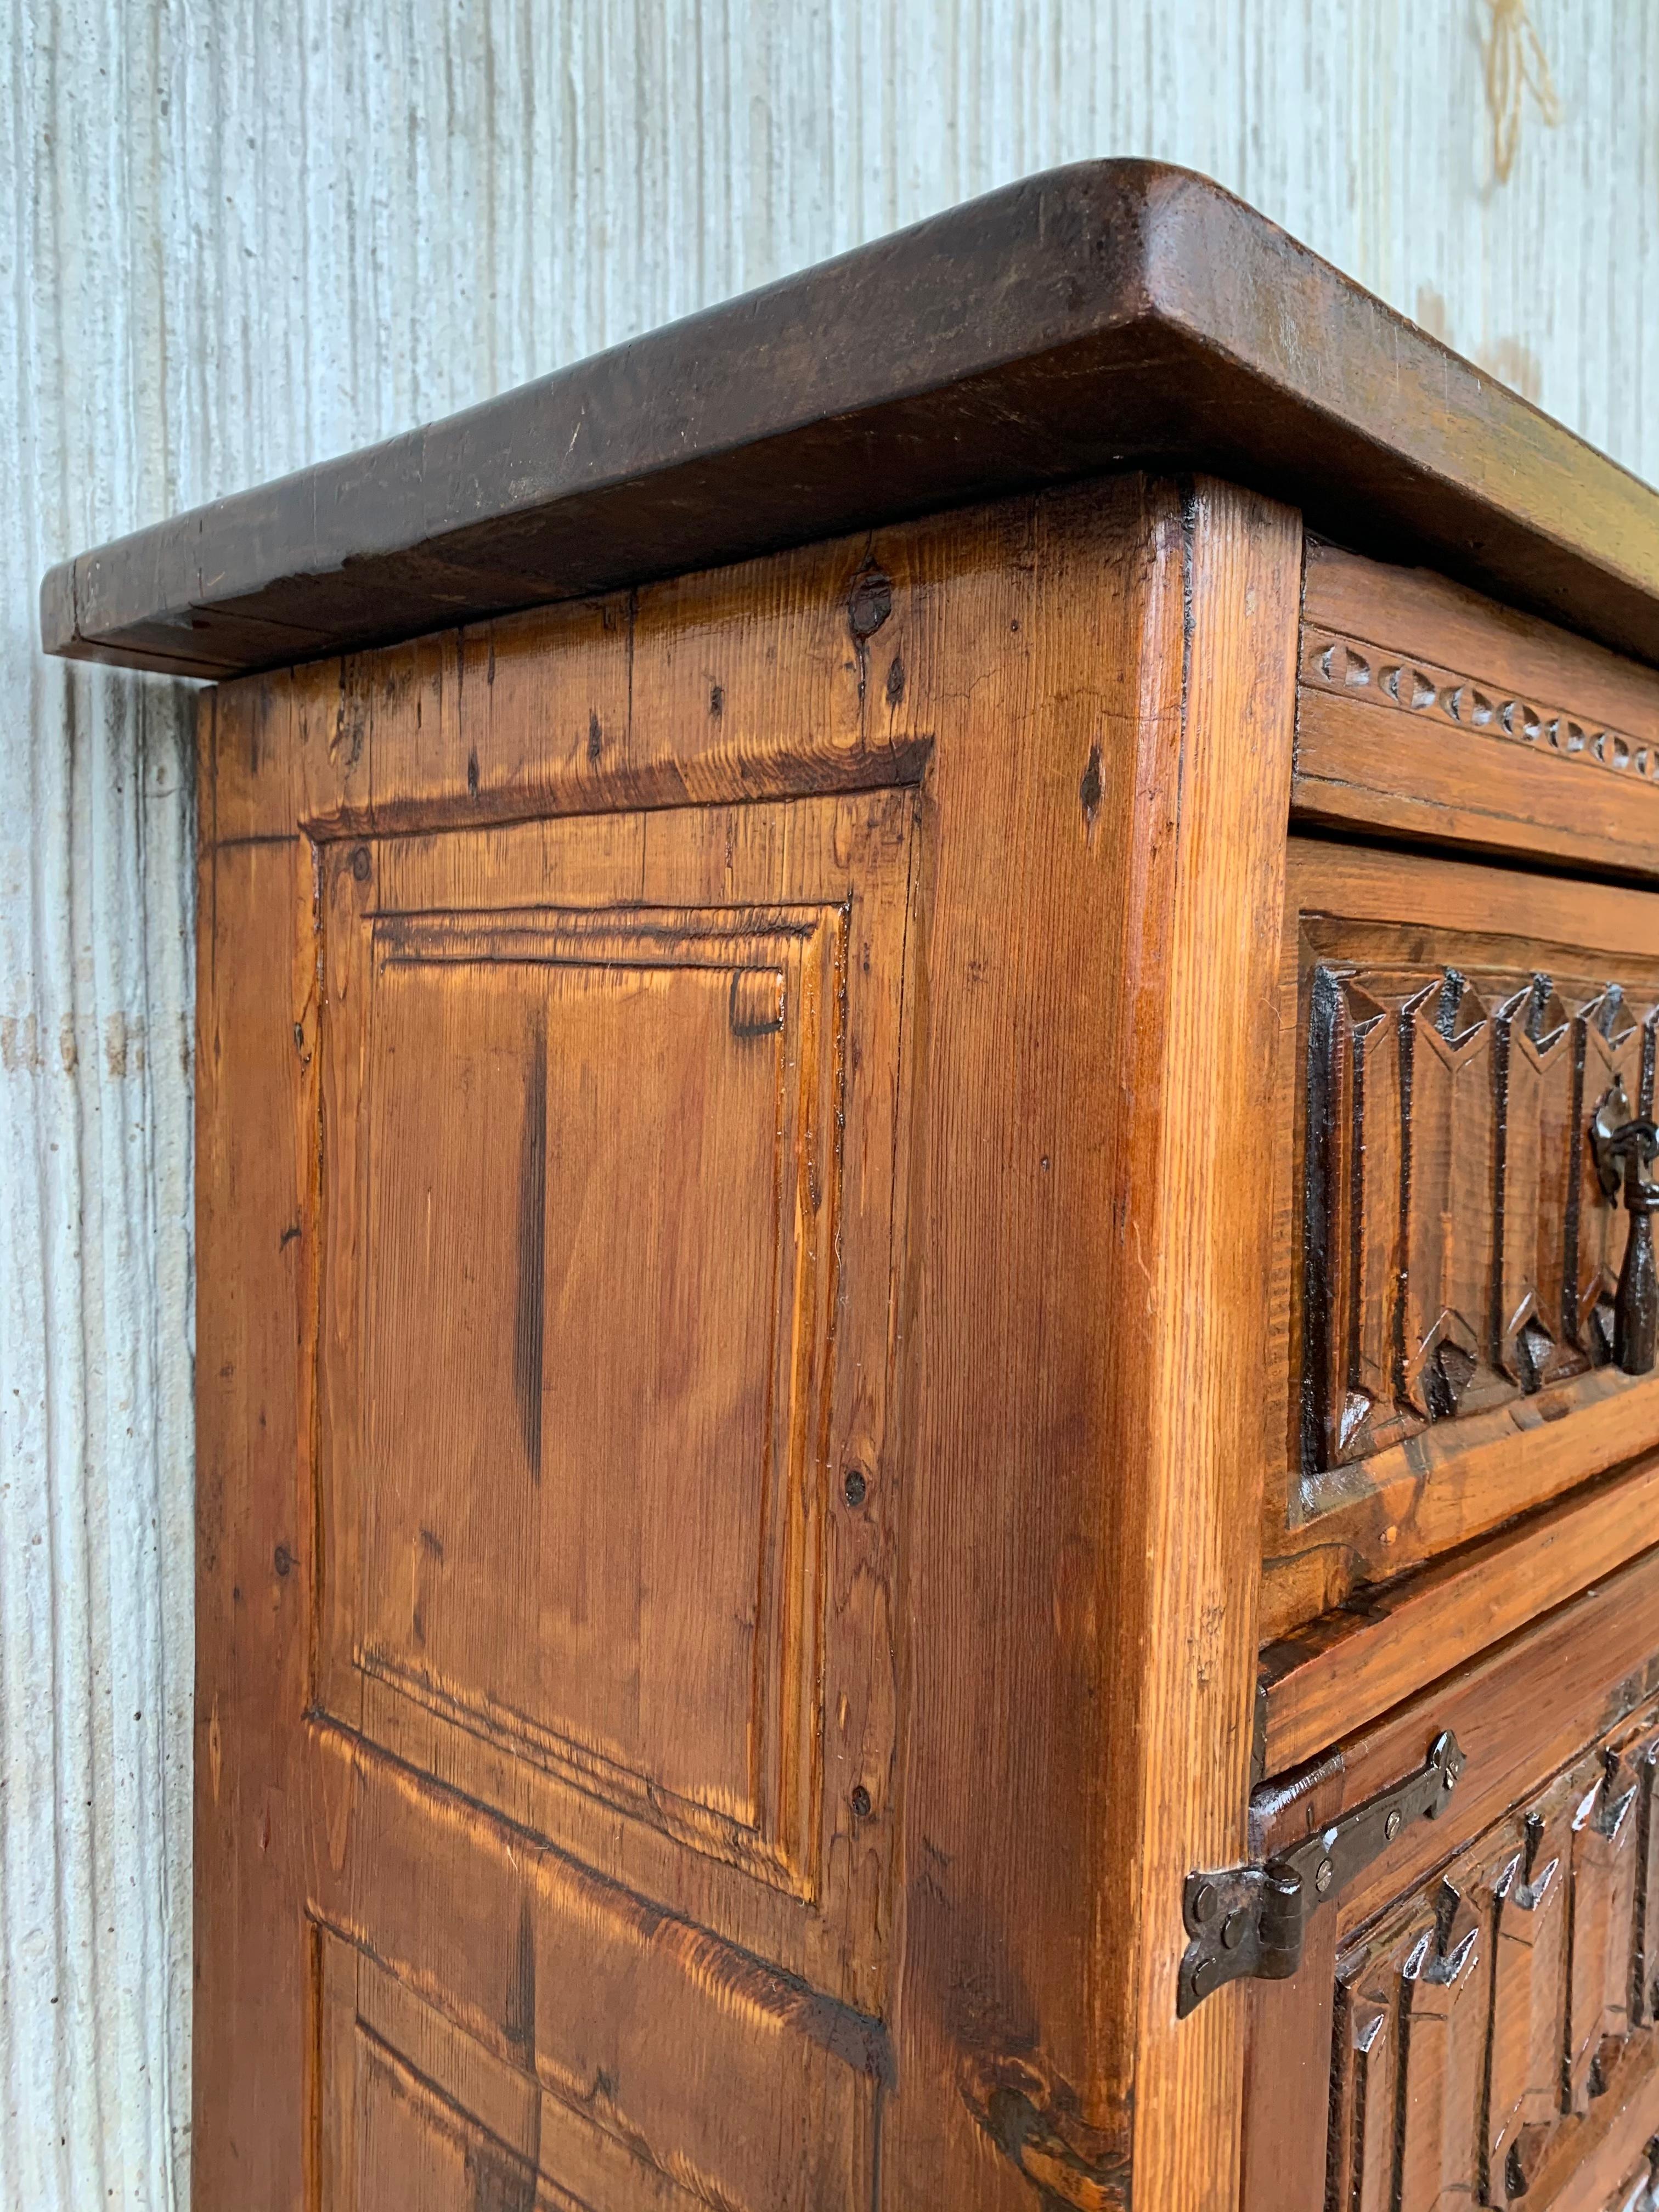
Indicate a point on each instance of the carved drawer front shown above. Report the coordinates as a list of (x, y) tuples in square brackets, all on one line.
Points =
[(1462, 1334), (1500, 2001), (1488, 1991)]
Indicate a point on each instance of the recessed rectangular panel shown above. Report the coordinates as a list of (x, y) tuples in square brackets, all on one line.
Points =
[(595, 1193), (583, 2029), (417, 2153), (600, 1301), (608, 1120), (415, 2115)]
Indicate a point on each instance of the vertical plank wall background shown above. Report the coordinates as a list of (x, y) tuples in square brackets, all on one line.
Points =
[(234, 239)]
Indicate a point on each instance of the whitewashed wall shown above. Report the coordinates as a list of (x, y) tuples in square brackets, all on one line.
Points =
[(235, 238)]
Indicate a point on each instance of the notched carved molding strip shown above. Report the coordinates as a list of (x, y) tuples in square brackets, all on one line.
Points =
[(1377, 674)]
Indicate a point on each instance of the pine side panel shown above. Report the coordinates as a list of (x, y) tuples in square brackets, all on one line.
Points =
[(1099, 684)]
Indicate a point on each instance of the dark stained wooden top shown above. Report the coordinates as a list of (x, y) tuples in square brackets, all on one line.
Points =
[(1099, 316)]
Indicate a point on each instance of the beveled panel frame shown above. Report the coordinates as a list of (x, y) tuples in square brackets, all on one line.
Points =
[(790, 962), (820, 962)]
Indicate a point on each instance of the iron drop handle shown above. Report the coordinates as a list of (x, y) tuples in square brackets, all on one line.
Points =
[(1625, 1147)]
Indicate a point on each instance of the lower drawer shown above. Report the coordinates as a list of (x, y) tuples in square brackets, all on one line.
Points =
[(1473, 2019)]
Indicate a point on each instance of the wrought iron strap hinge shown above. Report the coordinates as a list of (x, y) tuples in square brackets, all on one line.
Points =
[(1250, 1921)]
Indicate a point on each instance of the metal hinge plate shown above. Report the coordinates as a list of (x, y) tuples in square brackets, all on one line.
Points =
[(1250, 1921)]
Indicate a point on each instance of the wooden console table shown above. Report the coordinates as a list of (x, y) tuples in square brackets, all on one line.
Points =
[(928, 1448)]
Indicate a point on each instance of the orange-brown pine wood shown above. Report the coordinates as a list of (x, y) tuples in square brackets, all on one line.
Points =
[(816, 1218), (703, 1117)]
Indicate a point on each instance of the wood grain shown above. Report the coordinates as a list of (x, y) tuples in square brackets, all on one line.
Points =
[(1064, 788), (1225, 802), (770, 1337), (1485, 1989), (448, 1028), (1606, 2176), (1014, 2041), (1427, 712), (411, 2093), (1523, 1711), (604, 2003), (254, 1552), (1435, 616), (1420, 1476), (966, 358), (695, 690), (732, 1035), (1094, 690), (512, 781), (1344, 1669)]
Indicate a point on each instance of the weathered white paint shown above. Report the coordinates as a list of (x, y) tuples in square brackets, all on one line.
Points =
[(236, 238)]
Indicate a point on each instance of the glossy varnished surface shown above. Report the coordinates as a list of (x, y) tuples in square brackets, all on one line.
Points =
[(1366, 1655), (1473, 2022), (1425, 711), (760, 1132), (689, 1431), (734, 1481), (1112, 312), (1446, 1264)]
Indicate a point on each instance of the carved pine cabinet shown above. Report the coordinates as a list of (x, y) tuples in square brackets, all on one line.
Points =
[(928, 1432)]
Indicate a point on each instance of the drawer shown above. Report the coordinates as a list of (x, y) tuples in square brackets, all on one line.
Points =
[(1425, 711), (1447, 1262), (1473, 2019)]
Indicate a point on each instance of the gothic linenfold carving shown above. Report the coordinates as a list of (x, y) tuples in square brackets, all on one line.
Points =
[(1460, 1250), (1478, 2016)]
